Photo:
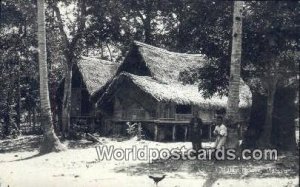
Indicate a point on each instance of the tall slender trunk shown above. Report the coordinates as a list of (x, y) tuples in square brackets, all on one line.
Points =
[(180, 34), (70, 54), (8, 121), (109, 51), (7, 118), (34, 120), (18, 98), (18, 89), (66, 104), (234, 81), (148, 32), (265, 137), (147, 23), (50, 141)]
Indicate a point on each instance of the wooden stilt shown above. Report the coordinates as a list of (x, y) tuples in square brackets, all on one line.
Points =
[(185, 133), (155, 132), (209, 132), (174, 132), (139, 131)]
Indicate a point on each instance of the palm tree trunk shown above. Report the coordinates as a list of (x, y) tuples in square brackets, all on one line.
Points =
[(234, 81), (50, 141)]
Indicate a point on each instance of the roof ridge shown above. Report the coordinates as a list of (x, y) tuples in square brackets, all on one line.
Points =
[(138, 43), (98, 58)]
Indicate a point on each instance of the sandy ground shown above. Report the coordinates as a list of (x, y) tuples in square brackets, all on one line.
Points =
[(21, 165)]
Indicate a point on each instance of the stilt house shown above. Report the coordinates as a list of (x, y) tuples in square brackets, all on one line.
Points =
[(148, 88)]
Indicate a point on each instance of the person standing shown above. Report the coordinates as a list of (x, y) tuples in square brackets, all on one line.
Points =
[(221, 133), (196, 131)]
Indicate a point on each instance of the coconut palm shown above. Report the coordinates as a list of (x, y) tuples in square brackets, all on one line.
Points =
[(234, 81), (50, 141)]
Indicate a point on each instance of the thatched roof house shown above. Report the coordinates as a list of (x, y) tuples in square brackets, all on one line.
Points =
[(148, 88), (156, 71), (89, 76)]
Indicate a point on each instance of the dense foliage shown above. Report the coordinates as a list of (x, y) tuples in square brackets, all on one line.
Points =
[(106, 28)]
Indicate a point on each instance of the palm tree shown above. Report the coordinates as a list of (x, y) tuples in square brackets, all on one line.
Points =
[(234, 81), (50, 141)]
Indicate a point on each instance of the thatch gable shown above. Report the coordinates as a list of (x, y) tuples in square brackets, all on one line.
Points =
[(96, 72), (162, 65), (175, 92), (166, 66)]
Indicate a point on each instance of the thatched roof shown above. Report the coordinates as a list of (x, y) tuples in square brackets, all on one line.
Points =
[(96, 72), (178, 93), (161, 77), (164, 65)]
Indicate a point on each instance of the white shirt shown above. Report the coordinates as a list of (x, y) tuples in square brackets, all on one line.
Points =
[(221, 130)]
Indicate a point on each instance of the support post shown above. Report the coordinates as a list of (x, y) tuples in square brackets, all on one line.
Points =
[(174, 132), (185, 133), (139, 131), (155, 132), (209, 132)]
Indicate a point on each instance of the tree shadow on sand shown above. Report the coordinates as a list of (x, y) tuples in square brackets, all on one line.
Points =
[(21, 144), (210, 171), (32, 143), (28, 158)]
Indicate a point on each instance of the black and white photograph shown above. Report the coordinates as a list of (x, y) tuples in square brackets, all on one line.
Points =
[(152, 93)]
